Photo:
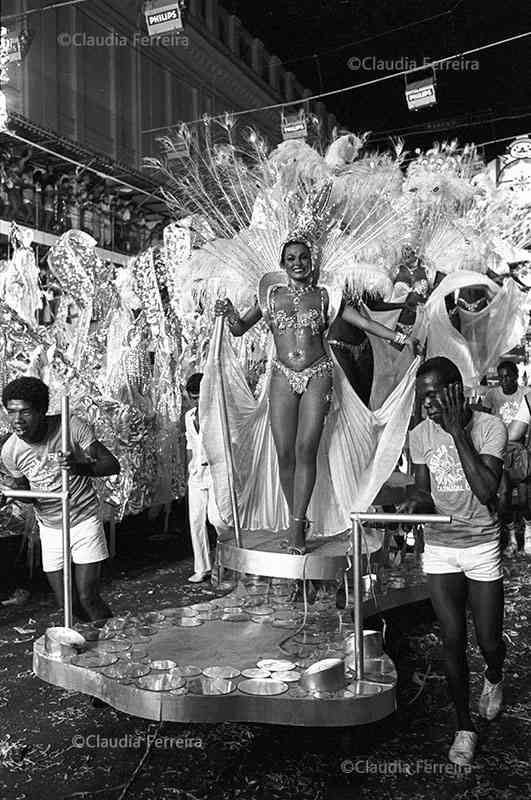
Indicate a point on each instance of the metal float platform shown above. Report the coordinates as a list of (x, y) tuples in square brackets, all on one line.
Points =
[(238, 641), (189, 664), (236, 632)]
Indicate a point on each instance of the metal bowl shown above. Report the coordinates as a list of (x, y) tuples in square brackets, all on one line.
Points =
[(372, 647), (327, 675)]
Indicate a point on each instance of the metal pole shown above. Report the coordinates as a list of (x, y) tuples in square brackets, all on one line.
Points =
[(402, 517), (227, 444), (22, 493), (65, 512), (356, 577), (357, 519)]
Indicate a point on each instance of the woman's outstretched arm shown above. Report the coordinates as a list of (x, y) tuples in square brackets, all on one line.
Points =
[(237, 325), (354, 317)]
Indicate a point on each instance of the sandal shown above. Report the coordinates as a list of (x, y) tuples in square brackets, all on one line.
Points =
[(293, 550)]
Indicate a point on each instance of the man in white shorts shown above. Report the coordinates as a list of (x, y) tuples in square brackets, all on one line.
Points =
[(457, 457), (32, 456)]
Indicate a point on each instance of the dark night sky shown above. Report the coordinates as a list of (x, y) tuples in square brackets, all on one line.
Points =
[(295, 30)]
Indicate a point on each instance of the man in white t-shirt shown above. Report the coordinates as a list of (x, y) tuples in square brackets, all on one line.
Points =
[(201, 500), (518, 430), (457, 457), (505, 401), (32, 456)]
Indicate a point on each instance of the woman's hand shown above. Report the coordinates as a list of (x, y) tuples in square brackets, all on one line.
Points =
[(224, 308)]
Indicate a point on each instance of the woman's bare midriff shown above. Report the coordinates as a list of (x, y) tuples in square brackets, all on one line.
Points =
[(310, 344)]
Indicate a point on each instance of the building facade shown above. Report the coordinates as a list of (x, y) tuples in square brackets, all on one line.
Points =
[(93, 75)]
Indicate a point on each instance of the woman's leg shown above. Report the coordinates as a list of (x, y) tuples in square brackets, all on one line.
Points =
[(448, 594), (314, 406), (486, 603), (284, 412)]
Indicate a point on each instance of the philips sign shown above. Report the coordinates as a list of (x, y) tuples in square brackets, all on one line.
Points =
[(164, 19)]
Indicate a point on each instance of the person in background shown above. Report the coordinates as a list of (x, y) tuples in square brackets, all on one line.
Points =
[(519, 430), (201, 501), (32, 456), (457, 457), (505, 401)]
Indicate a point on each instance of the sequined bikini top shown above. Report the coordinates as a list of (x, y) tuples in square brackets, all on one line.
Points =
[(312, 318)]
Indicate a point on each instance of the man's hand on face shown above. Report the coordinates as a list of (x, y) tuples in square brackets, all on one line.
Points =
[(453, 407)]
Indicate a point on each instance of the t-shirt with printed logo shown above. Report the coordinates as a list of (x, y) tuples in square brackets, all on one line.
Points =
[(37, 461), (472, 522), (503, 405)]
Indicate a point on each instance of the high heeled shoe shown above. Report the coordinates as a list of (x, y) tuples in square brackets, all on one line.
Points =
[(297, 549)]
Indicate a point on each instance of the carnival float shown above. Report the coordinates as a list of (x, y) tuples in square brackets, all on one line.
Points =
[(425, 242)]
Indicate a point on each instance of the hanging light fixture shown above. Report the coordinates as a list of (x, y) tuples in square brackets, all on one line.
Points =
[(420, 91), (163, 16), (294, 124)]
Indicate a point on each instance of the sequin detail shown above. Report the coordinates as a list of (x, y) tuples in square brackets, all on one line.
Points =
[(313, 319), (299, 381)]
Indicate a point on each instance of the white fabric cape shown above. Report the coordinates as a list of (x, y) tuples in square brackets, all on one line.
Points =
[(358, 451), (485, 335)]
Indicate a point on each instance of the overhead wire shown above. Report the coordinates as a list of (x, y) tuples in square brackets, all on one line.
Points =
[(346, 46), (414, 130), (30, 11), (307, 99), (352, 87)]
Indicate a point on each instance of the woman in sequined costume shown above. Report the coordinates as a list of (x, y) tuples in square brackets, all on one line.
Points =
[(301, 380)]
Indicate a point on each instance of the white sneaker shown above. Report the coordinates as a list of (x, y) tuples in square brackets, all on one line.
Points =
[(463, 748), (198, 577), (491, 700)]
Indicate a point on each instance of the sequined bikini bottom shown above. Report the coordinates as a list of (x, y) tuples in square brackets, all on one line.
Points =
[(299, 381)]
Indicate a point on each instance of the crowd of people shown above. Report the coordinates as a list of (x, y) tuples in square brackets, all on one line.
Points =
[(57, 199)]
